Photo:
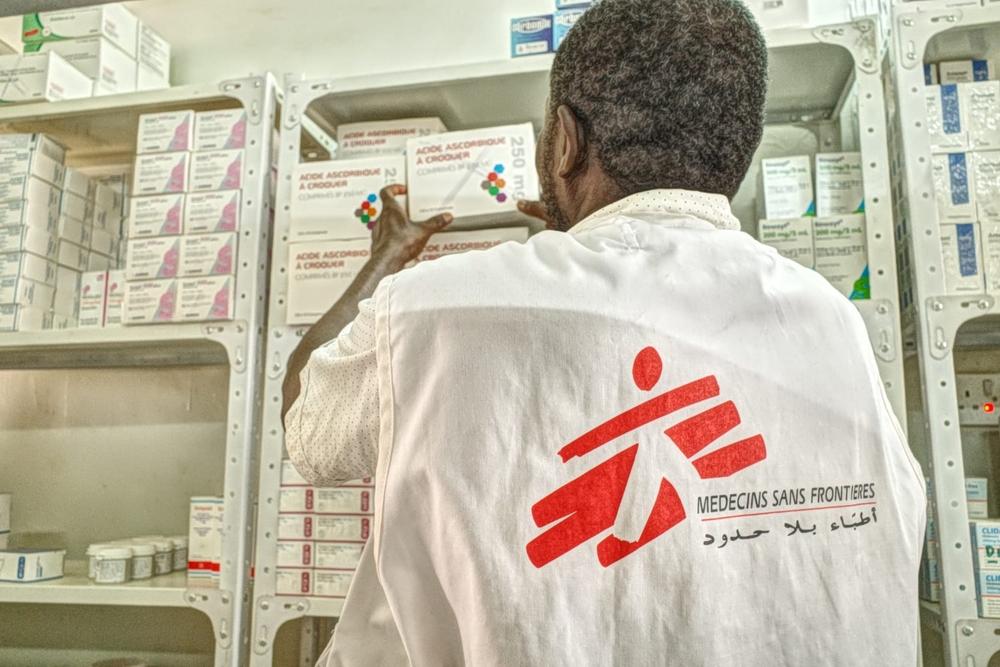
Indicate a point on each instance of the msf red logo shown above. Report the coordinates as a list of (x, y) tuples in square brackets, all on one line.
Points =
[(588, 505)]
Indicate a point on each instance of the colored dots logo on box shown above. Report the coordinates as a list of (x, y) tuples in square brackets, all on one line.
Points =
[(495, 184), (367, 212)]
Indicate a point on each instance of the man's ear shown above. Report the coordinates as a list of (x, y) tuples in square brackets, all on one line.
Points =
[(571, 144)]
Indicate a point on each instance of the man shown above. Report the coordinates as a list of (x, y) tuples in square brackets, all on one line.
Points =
[(650, 440)]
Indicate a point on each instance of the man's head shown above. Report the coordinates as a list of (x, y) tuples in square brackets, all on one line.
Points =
[(652, 94)]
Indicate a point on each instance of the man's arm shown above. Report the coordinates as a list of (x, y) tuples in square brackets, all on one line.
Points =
[(396, 241)]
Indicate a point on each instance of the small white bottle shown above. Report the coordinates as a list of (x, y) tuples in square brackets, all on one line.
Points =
[(143, 554), (113, 565)]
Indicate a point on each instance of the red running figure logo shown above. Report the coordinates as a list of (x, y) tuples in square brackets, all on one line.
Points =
[(588, 505)]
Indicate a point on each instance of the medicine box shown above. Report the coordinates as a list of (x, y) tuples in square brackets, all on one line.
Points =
[(931, 75), (786, 188), (27, 141), (324, 527), (964, 71), (18, 291), (290, 476), (149, 301), (985, 544), (319, 273), (74, 231), (111, 21), (946, 119), (840, 184), (331, 583), (216, 170), (478, 175), (75, 207), (340, 199), (208, 254), (337, 556), (19, 238), (977, 497), (453, 243), (115, 309), (988, 593), (17, 168), (159, 173), (985, 180), (26, 265), (381, 138), (157, 257), (341, 500), (24, 318), (206, 212), (76, 182), (39, 207), (37, 77), (293, 581), (220, 130), (93, 299), (72, 256), (564, 4), (155, 215), (981, 104), (842, 254), (153, 59), (954, 187), (990, 235), (66, 300), (205, 299), (294, 554), (531, 35), (792, 238), (165, 132), (562, 21), (111, 69), (961, 258), (205, 524), (30, 565)]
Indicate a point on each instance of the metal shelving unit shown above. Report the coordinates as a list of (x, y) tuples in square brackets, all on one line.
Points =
[(102, 131), (919, 35), (816, 75)]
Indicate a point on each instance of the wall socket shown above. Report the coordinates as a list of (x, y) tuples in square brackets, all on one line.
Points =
[(978, 399)]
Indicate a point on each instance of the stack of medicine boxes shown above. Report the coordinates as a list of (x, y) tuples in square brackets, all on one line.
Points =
[(963, 121), (321, 533), (184, 217), (825, 232), (106, 43)]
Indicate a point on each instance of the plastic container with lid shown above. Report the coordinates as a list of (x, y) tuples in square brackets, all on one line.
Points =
[(180, 543), (113, 565), (163, 561), (92, 557), (143, 555)]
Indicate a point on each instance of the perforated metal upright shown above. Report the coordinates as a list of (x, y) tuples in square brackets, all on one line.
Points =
[(937, 319)]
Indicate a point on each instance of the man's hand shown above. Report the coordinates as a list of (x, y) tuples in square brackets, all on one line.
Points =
[(397, 240)]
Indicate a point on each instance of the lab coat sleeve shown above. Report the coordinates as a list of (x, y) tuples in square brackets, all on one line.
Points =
[(331, 431)]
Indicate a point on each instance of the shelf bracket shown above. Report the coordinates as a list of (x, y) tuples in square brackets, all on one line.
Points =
[(978, 640), (859, 37), (250, 92), (882, 329), (217, 604), (916, 29), (271, 613), (946, 315)]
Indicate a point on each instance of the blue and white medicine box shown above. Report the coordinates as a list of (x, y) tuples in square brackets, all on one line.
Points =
[(946, 119), (563, 20), (985, 544), (568, 4), (531, 35)]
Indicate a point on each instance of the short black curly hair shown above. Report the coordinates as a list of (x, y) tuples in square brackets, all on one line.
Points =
[(671, 93)]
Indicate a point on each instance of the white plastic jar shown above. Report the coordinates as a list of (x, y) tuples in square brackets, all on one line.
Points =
[(92, 558), (180, 543), (113, 565), (163, 561), (143, 555)]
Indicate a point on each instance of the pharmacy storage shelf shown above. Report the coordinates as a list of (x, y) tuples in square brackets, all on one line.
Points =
[(812, 75), (919, 36), (102, 131)]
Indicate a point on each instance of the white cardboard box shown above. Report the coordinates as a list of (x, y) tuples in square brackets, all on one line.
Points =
[(72, 256), (206, 299), (338, 200), (961, 254), (27, 141), (93, 299), (156, 257), (947, 120), (74, 206), (115, 310), (165, 132), (338, 556), (156, 215), (954, 187), (206, 212), (471, 174), (931, 75), (343, 501), (24, 318), (319, 273), (28, 239), (840, 184), (792, 238), (990, 233), (205, 528), (787, 188), (18, 291), (981, 102), (74, 231), (986, 185), (453, 243), (294, 554), (153, 59), (111, 69), (159, 173), (324, 527), (375, 139), (26, 265), (149, 301), (964, 71), (28, 565), (290, 476), (111, 21), (216, 170), (842, 254), (39, 207), (36, 77), (220, 130), (66, 299), (293, 582), (18, 168), (76, 182), (208, 254), (331, 583)]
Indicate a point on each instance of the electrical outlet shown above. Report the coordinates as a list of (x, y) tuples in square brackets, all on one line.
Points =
[(978, 399)]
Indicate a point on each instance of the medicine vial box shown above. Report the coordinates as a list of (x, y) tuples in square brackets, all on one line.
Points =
[(115, 309), (530, 35), (205, 530), (380, 138), (66, 296), (842, 254), (954, 187), (216, 170), (76, 182), (150, 301), (152, 59), (74, 231), (36, 77), (786, 188), (964, 71), (111, 21), (476, 175), (961, 258), (986, 184), (112, 70), (165, 132), (981, 103), (26, 265), (331, 583), (220, 130), (840, 184), (295, 554), (72, 256), (27, 239), (323, 527), (340, 199), (337, 555), (93, 299), (39, 207), (19, 291), (205, 299), (31, 565), (207, 212), (156, 215), (946, 119), (293, 581), (75, 207), (157, 257), (208, 254), (160, 173)]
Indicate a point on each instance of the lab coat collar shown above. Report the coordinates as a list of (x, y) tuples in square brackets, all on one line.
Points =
[(711, 208)]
